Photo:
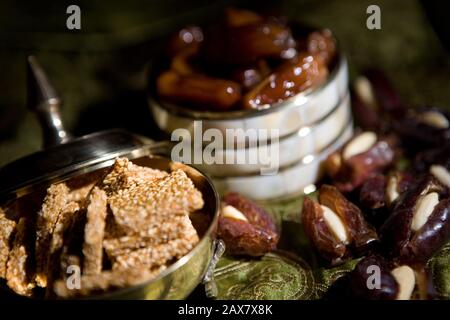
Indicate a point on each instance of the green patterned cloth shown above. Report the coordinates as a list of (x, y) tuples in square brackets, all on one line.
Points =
[(292, 271)]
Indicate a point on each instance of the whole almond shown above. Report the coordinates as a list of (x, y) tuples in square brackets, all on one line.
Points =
[(406, 280), (364, 90), (359, 144), (434, 119), (392, 189), (423, 209), (441, 173), (233, 213), (335, 224)]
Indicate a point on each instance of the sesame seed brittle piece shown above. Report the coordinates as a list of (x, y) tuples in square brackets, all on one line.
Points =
[(175, 228), (94, 232), (158, 255), (64, 222), (124, 174), (54, 203), (17, 277), (7, 228), (107, 280), (145, 204)]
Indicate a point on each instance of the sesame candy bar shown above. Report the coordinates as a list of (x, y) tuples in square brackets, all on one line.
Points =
[(157, 255), (16, 273), (67, 260), (174, 228), (107, 280), (94, 232), (64, 221), (138, 206), (125, 174), (81, 186), (54, 202), (6, 230)]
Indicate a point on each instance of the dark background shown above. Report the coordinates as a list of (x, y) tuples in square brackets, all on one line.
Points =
[(99, 71)]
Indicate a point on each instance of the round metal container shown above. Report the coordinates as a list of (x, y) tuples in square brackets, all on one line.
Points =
[(309, 126), (295, 179), (65, 158), (314, 139)]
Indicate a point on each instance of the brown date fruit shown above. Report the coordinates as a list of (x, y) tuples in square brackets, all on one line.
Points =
[(249, 77), (365, 107), (361, 285), (436, 156), (198, 90), (373, 192), (181, 62), (188, 37), (379, 191), (235, 17), (322, 44), (365, 155), (375, 278), (419, 224), (336, 226), (248, 43), (389, 102), (302, 73), (246, 228), (378, 195), (420, 129)]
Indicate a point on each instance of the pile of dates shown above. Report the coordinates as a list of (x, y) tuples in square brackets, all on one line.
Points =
[(246, 61), (386, 198)]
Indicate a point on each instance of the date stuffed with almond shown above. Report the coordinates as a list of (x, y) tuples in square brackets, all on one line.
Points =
[(362, 157), (375, 278), (336, 226), (246, 228), (420, 222)]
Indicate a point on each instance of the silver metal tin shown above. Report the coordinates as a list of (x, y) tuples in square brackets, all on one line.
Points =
[(295, 179), (305, 109)]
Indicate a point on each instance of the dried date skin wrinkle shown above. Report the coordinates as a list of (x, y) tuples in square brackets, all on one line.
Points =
[(254, 237), (397, 235)]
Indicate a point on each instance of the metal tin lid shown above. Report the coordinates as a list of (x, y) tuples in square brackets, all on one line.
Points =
[(62, 156)]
